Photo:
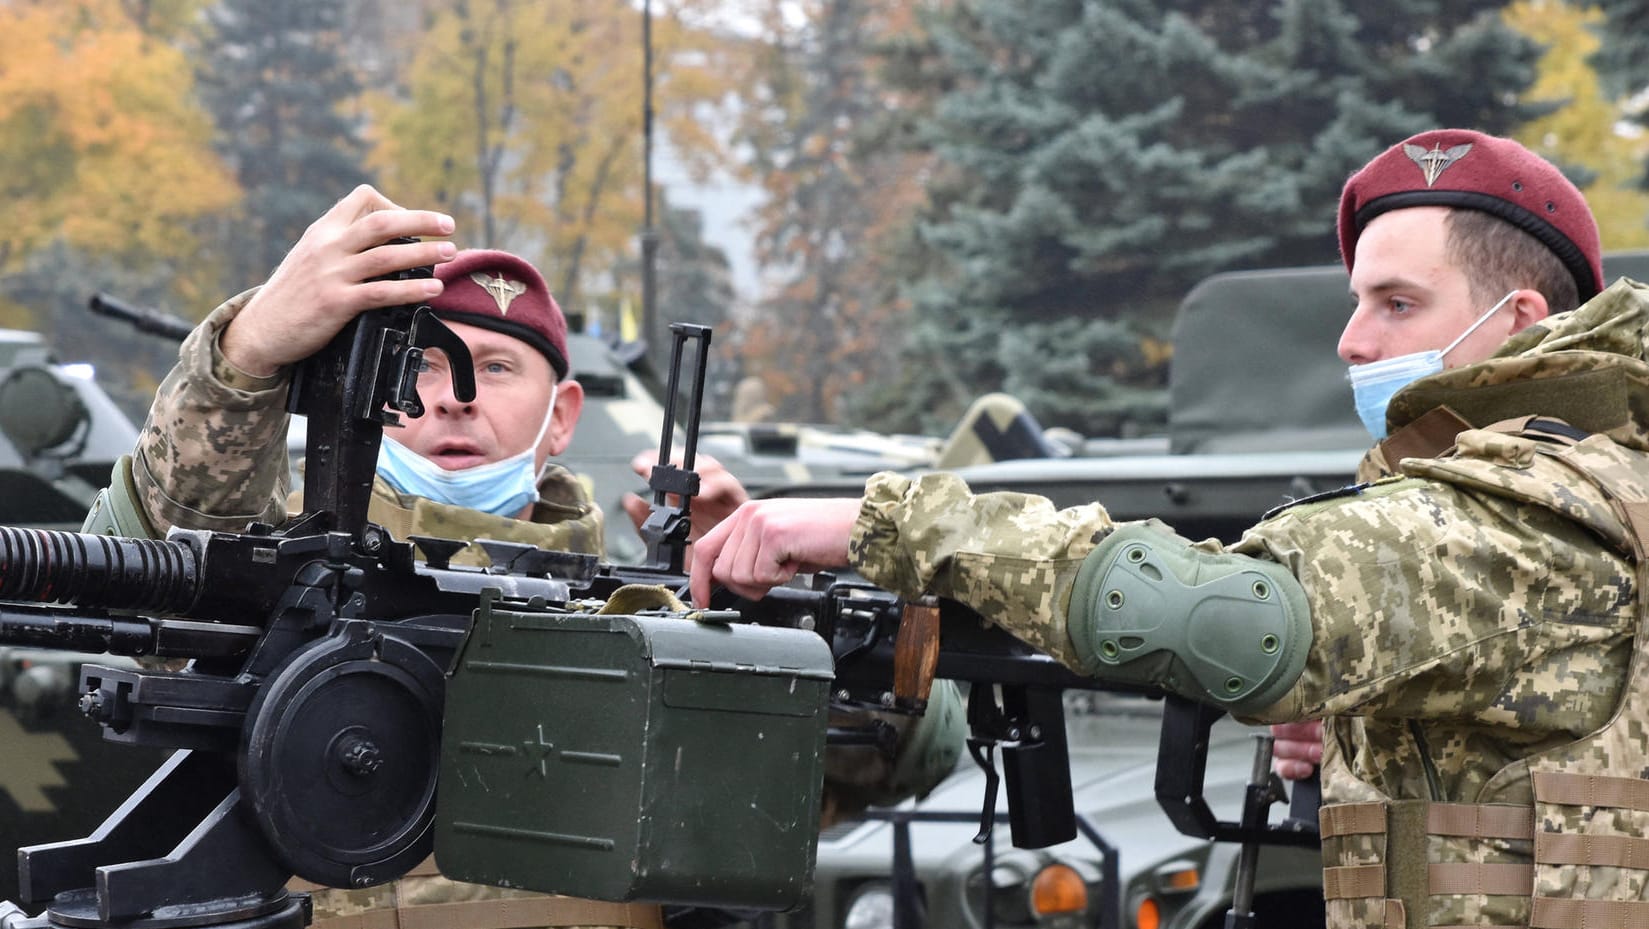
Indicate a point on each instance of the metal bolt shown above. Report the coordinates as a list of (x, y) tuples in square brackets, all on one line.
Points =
[(360, 756), (887, 698), (806, 622), (91, 704), (842, 695)]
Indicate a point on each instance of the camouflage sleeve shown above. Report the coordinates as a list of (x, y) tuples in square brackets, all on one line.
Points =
[(212, 453), (1013, 557), (1429, 601), (1426, 600)]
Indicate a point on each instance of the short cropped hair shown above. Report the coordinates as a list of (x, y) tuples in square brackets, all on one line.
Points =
[(1497, 257)]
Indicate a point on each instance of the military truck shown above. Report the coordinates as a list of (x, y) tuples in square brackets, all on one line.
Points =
[(1260, 414), (59, 437)]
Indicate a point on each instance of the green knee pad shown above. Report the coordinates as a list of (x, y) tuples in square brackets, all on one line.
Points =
[(1229, 630)]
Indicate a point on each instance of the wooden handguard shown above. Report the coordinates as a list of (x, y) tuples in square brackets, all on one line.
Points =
[(916, 654)]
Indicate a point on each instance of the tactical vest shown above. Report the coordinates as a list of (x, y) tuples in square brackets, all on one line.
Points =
[(1575, 853)]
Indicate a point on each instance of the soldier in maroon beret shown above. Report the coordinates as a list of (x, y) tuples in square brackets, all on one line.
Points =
[(1434, 230), (1439, 227), (212, 455), (1468, 619)]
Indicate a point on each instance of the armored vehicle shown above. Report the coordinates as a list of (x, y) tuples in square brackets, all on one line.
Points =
[(59, 437)]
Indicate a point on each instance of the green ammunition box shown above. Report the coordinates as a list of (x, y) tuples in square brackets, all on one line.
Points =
[(633, 757)]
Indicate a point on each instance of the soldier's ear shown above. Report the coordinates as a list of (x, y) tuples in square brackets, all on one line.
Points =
[(569, 403), (1528, 307)]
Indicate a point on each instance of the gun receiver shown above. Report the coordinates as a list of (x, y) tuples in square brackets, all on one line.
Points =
[(324, 654)]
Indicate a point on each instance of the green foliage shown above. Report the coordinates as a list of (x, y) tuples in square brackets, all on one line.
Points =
[(1099, 158), (695, 285), (1622, 58), (277, 81)]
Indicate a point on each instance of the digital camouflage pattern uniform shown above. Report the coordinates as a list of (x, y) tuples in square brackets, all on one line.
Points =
[(1473, 613), (212, 455)]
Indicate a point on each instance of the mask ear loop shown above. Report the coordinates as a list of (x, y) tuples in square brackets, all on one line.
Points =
[(1480, 321), (544, 427)]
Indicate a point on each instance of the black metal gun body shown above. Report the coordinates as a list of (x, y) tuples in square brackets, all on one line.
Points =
[(310, 709)]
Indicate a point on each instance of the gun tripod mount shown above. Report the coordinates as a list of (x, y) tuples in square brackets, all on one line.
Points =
[(333, 780), (307, 728)]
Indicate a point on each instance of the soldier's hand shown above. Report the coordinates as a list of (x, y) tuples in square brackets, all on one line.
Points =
[(325, 280), (1297, 749), (720, 493), (767, 542)]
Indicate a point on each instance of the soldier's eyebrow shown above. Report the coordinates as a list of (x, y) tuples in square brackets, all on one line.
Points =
[(1389, 284)]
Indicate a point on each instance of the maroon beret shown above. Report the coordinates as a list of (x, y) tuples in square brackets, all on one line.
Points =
[(1465, 169), (502, 292)]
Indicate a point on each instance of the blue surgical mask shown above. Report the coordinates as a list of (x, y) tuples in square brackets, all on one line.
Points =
[(500, 487), (1374, 384)]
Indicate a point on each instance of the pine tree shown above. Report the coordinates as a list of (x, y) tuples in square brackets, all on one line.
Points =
[(695, 285), (279, 85), (1101, 157)]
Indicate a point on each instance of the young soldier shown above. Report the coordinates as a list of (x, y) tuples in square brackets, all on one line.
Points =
[(1466, 622)]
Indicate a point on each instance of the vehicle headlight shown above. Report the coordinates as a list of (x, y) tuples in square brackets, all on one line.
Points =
[(1024, 890), (1057, 889), (871, 907)]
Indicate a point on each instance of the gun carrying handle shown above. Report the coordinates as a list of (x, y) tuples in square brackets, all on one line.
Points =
[(916, 654)]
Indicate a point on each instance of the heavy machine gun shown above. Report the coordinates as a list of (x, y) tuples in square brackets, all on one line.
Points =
[(335, 674)]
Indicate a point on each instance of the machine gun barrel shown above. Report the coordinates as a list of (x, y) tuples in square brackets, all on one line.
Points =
[(51, 627), (136, 575), (142, 318)]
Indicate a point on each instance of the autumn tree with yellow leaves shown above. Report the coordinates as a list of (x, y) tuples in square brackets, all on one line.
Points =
[(1585, 128), (102, 147), (106, 172), (523, 119)]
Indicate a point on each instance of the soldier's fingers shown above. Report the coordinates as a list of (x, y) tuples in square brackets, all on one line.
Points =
[(386, 259), (378, 227), (762, 558), (364, 199), (1293, 770), (636, 508), (706, 555)]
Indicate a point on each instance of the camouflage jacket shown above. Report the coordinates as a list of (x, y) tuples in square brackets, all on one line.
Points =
[(1470, 611)]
